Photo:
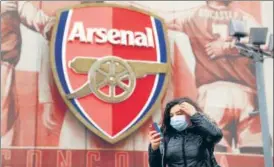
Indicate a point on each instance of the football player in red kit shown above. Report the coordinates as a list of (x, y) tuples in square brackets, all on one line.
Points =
[(225, 80), (13, 13)]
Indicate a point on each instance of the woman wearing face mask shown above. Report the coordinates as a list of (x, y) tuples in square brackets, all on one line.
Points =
[(188, 140)]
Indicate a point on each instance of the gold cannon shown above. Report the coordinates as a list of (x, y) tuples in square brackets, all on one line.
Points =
[(112, 71)]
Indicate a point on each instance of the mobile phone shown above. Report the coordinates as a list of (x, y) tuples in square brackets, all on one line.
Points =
[(156, 127)]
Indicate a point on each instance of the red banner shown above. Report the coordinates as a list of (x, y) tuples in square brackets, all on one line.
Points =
[(101, 158)]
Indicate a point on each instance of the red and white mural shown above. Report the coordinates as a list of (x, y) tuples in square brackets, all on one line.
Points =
[(37, 127)]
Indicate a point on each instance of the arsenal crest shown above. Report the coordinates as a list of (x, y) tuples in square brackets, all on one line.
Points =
[(111, 66)]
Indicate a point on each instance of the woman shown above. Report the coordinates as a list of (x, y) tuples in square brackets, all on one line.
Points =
[(188, 140)]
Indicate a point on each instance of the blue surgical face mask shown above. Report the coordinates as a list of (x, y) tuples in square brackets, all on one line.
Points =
[(179, 122)]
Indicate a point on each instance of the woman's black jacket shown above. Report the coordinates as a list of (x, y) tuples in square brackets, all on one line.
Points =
[(202, 126)]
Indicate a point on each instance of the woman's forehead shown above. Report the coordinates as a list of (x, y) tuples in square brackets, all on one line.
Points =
[(175, 108)]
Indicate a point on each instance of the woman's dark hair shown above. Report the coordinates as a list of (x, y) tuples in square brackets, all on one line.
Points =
[(166, 128)]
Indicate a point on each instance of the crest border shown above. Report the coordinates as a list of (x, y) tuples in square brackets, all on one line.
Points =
[(72, 109)]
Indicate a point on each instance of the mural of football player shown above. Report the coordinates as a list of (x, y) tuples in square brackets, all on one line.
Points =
[(14, 13), (225, 80)]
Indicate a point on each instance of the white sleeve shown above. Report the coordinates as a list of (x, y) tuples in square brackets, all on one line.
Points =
[(35, 18)]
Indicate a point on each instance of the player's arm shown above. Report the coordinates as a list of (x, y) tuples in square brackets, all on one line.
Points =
[(45, 81), (35, 18)]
